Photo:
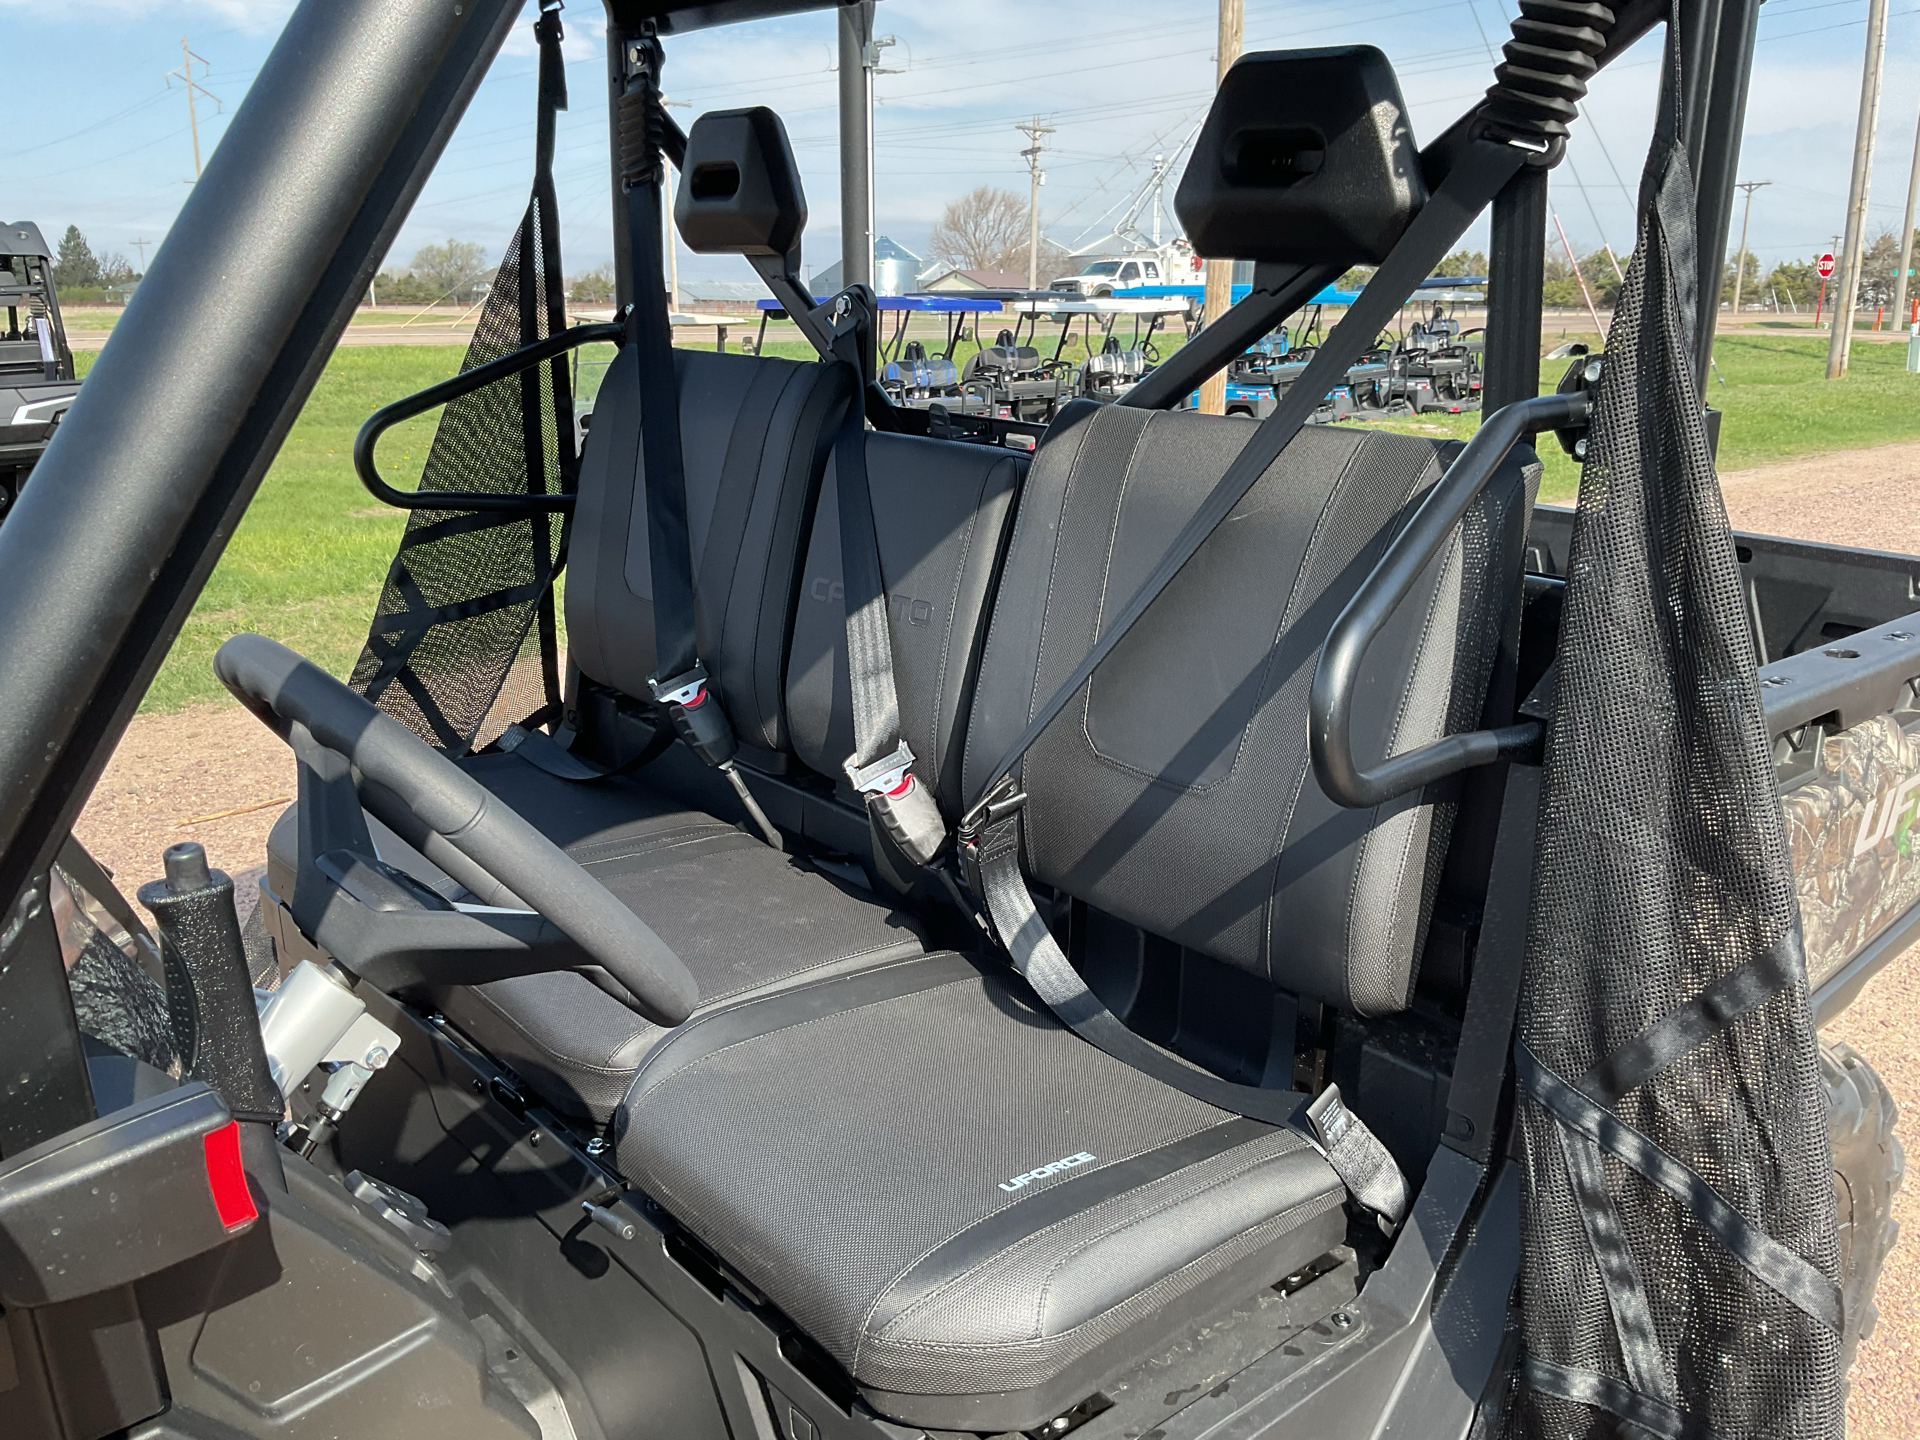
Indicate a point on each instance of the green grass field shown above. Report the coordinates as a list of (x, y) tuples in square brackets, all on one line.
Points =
[(307, 563), (1774, 399)]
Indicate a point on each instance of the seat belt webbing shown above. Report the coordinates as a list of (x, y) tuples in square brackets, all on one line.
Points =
[(679, 681), (880, 767)]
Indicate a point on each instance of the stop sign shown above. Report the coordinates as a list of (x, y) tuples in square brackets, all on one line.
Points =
[(1825, 267)]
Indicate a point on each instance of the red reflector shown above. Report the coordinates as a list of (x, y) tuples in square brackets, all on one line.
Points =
[(226, 1179)]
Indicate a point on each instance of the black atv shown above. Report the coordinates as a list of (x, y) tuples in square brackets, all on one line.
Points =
[(37, 380)]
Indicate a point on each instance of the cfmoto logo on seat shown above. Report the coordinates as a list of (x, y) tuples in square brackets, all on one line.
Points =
[(1052, 1167), (905, 609)]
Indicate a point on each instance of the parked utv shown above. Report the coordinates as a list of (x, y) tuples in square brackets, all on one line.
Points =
[(1207, 929), (37, 378)]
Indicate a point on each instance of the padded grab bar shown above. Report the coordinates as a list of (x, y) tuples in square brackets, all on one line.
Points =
[(1337, 675), (465, 383)]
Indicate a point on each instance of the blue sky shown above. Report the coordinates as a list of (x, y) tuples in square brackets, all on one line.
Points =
[(98, 139)]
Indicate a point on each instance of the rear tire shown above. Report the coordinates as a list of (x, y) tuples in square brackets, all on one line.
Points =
[(1868, 1167)]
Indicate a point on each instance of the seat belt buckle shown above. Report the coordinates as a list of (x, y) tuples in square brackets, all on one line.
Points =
[(900, 804), (696, 714)]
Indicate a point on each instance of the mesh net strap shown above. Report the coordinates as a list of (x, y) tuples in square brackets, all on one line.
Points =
[(1662, 960), (465, 639)]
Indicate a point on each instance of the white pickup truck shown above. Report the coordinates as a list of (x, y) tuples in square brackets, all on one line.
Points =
[(1103, 277)]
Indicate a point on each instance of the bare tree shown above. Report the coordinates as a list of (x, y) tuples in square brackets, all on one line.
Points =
[(985, 229)]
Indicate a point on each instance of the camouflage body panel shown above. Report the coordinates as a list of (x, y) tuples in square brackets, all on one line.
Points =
[(1853, 832)]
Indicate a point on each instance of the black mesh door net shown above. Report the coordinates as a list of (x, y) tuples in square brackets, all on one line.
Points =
[(1678, 1275), (463, 641)]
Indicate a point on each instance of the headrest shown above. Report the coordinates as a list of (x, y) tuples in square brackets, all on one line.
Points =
[(740, 191), (1306, 158)]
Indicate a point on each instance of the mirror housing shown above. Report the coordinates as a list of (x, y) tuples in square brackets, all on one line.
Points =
[(1306, 158)]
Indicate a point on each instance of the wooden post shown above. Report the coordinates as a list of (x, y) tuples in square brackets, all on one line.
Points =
[(1213, 394)]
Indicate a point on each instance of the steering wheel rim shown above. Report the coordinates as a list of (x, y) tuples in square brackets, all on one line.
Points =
[(283, 689)]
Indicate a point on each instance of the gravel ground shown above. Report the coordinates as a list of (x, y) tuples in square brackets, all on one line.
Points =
[(173, 776)]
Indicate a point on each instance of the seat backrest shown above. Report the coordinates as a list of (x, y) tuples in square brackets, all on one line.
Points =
[(940, 513), (1176, 791), (755, 432)]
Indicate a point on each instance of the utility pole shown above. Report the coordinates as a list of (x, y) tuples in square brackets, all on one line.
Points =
[(185, 74), (1740, 266), (856, 144), (673, 230), (1906, 235), (141, 246), (1036, 177), (1213, 394), (1840, 342)]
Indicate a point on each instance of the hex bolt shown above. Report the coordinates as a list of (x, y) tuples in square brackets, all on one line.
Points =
[(1342, 1320)]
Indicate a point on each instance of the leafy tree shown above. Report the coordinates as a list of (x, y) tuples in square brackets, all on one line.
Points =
[(451, 270), (1602, 279), (1879, 263), (1750, 291), (1462, 262), (985, 229), (75, 266), (1796, 282), (1558, 287), (593, 288)]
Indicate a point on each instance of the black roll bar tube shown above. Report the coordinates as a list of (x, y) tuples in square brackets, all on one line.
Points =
[(1337, 675), (465, 383)]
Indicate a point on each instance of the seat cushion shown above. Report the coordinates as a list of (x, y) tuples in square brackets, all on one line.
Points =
[(1001, 1216), (1176, 791), (741, 915), (755, 434)]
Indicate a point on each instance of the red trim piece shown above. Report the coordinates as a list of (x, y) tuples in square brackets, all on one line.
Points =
[(227, 1180), (698, 699), (906, 784)]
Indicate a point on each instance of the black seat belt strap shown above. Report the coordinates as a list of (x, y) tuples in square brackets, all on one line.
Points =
[(1483, 168), (679, 683), (1355, 1152), (880, 767)]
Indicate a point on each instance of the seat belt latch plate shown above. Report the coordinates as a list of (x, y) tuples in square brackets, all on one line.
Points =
[(884, 776)]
